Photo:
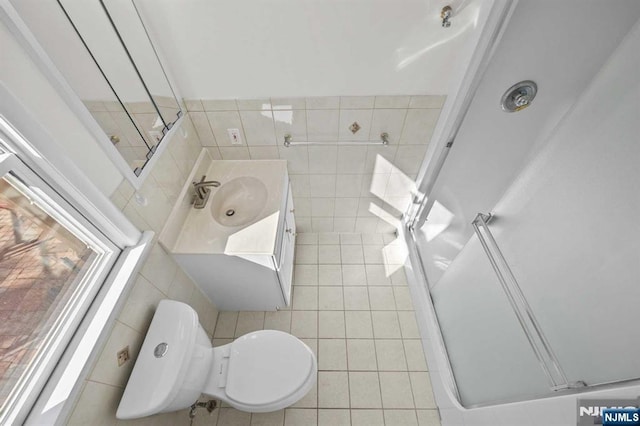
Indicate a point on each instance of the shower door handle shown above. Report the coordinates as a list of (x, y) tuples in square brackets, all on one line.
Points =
[(530, 326)]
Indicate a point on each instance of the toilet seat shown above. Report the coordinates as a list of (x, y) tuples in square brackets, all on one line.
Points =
[(266, 370), (267, 366)]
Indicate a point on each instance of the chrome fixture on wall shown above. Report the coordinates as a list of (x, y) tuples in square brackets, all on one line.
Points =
[(445, 15), (519, 96)]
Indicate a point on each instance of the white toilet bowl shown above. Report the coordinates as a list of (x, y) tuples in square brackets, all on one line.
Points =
[(259, 372)]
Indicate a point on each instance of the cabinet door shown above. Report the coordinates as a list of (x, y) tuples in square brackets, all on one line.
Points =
[(285, 272)]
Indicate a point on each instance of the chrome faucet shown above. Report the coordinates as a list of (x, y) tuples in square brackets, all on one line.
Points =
[(203, 191)]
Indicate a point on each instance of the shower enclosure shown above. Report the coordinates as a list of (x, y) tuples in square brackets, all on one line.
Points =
[(527, 231)]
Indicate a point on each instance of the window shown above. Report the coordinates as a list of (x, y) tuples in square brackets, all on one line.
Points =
[(53, 261)]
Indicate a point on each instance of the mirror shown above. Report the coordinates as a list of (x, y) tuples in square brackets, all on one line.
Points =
[(103, 51)]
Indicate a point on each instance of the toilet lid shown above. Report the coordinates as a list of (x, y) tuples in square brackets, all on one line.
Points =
[(266, 366)]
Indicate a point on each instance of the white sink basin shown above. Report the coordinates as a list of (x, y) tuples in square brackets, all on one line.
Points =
[(241, 217), (239, 201)]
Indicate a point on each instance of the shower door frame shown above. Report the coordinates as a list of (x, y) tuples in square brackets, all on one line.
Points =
[(454, 113)]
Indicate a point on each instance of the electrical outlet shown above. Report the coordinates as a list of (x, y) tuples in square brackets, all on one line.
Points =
[(234, 136), (123, 356)]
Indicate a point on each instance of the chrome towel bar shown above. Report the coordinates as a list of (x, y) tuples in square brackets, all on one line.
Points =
[(384, 140)]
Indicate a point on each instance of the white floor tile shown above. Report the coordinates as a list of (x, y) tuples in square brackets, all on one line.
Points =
[(333, 389), (364, 388), (396, 390), (381, 298), (356, 298), (354, 275), (300, 417), (358, 324), (334, 417), (390, 354), (385, 325), (367, 418), (331, 325), (361, 355), (329, 275), (332, 354), (329, 254), (304, 323), (330, 299), (400, 418)]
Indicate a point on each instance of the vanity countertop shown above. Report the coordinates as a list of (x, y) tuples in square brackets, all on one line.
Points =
[(195, 231)]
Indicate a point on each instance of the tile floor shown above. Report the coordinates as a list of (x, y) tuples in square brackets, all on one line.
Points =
[(351, 305)]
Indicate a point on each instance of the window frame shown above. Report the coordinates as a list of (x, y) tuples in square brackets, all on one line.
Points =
[(36, 190), (25, 137)]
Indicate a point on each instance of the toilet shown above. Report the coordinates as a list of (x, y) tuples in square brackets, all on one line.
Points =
[(259, 372)]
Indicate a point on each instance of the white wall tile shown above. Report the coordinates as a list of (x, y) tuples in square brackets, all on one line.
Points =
[(327, 102), (302, 208), (409, 158), (346, 207), (214, 152), (392, 101), (348, 185), (96, 405), (290, 122), (322, 207), (234, 153), (350, 116), (322, 125), (288, 103), (264, 152), (344, 224), (427, 101), (322, 159), (322, 224), (322, 185), (262, 104), (258, 127), (181, 288), (357, 102), (140, 305), (419, 125), (300, 185), (389, 121), (351, 159), (220, 121), (201, 123), (297, 158), (303, 224), (380, 159), (365, 224), (106, 369), (159, 269), (219, 105), (193, 105)]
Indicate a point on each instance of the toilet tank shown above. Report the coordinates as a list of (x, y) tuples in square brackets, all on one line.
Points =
[(172, 366)]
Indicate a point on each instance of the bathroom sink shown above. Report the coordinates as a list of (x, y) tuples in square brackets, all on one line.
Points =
[(239, 201)]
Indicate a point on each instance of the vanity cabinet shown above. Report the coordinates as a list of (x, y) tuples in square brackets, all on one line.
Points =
[(243, 268), (287, 249)]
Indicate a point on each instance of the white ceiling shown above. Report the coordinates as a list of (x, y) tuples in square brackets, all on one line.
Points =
[(282, 48)]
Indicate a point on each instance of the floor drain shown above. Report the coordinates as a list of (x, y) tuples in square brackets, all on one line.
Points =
[(230, 212)]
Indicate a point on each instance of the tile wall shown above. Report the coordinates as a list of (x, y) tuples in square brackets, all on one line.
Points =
[(336, 187), (159, 278)]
